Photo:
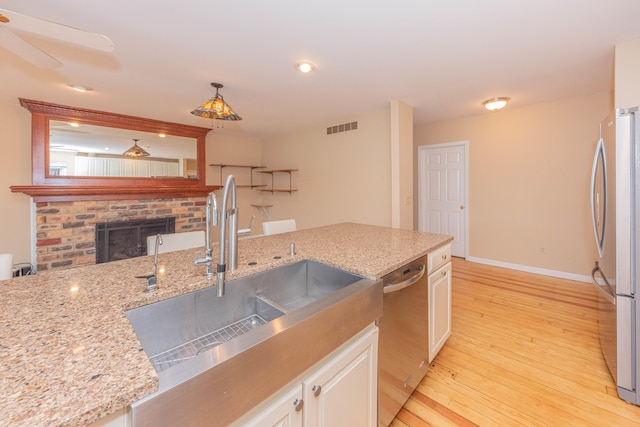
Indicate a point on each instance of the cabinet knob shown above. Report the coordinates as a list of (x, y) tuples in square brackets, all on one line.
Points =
[(461, 206), (444, 273), (298, 404), (444, 256), (316, 390)]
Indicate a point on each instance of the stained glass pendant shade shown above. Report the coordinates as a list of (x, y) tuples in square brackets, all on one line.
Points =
[(136, 150), (216, 107)]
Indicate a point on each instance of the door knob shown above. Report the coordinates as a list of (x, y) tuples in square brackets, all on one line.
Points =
[(461, 206)]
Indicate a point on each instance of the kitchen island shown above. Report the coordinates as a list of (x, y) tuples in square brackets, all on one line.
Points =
[(70, 356)]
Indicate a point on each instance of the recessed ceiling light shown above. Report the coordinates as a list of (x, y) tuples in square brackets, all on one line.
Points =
[(495, 104), (74, 124), (305, 67), (79, 88), (162, 135)]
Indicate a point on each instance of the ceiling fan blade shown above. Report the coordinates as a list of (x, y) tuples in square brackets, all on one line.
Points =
[(26, 51), (20, 22)]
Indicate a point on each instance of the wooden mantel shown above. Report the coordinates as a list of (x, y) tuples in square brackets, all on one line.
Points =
[(63, 193)]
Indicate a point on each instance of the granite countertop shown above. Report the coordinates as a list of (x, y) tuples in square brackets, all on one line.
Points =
[(68, 354)]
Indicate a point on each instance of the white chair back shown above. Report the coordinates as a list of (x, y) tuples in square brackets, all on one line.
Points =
[(6, 266), (176, 242), (277, 227)]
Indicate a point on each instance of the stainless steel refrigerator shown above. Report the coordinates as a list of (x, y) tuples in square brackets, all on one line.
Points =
[(615, 203)]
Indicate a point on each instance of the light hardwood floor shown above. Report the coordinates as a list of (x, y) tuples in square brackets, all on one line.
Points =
[(524, 351)]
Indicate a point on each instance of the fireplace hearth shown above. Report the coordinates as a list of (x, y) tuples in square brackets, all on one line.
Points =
[(119, 240)]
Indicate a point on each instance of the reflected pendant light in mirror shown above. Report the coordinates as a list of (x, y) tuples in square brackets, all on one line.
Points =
[(136, 150)]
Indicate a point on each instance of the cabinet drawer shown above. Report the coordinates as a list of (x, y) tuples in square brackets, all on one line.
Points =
[(438, 257)]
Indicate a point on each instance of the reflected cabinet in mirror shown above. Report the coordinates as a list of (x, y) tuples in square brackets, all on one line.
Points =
[(84, 152), (78, 149)]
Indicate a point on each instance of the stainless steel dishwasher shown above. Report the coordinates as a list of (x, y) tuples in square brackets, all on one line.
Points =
[(403, 350)]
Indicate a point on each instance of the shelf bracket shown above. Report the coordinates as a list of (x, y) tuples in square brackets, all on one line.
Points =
[(264, 209)]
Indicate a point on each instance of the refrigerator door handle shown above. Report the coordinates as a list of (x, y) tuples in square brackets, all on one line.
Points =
[(598, 206), (606, 291)]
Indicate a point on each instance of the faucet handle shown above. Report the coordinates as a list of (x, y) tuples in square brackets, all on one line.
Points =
[(152, 284), (245, 231)]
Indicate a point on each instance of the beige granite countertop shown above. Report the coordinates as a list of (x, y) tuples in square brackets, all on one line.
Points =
[(68, 354)]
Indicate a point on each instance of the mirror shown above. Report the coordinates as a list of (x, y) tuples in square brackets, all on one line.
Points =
[(88, 150), (68, 157)]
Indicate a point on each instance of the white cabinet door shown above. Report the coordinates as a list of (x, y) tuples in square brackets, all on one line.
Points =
[(439, 309), (343, 393), (284, 412), (115, 167), (173, 169), (81, 165), (143, 168)]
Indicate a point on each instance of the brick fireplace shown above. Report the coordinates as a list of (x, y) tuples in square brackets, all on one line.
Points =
[(65, 231)]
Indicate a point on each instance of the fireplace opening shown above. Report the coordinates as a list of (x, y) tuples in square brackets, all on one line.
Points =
[(128, 239)]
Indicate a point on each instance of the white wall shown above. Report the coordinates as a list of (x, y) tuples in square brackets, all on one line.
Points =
[(15, 164), (235, 150), (627, 74), (402, 154), (529, 172), (342, 177)]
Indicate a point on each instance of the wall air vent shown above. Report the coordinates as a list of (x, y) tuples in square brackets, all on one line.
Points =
[(342, 128)]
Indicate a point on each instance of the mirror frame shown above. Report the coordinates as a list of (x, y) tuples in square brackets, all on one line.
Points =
[(43, 112)]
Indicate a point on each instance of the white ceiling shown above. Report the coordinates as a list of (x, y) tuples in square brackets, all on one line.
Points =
[(442, 57)]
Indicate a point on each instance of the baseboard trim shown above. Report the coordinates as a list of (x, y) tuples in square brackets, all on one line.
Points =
[(535, 270)]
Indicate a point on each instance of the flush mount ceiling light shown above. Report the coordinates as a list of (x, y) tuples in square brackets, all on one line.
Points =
[(136, 150), (216, 108), (79, 88), (496, 104), (305, 67)]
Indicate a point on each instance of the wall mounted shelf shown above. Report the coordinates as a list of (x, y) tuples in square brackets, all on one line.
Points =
[(279, 190), (224, 165)]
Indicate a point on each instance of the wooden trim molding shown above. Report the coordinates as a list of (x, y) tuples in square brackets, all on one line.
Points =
[(68, 188), (59, 193)]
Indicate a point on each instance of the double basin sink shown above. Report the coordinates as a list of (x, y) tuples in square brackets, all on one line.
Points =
[(267, 329)]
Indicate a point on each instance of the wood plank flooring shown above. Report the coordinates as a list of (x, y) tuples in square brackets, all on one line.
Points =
[(524, 351)]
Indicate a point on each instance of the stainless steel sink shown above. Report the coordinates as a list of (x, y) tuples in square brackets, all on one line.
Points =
[(218, 357), (183, 327), (177, 329)]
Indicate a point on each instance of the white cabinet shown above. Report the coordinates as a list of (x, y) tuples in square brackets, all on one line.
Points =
[(439, 309), (438, 257), (344, 391), (284, 412), (341, 391)]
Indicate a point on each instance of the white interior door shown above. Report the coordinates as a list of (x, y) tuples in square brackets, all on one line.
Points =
[(442, 192)]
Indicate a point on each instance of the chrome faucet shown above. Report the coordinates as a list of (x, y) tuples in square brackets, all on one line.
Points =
[(215, 217), (152, 279), (211, 220), (232, 215)]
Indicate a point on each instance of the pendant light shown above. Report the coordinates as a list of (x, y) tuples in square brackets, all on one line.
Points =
[(216, 108), (136, 151)]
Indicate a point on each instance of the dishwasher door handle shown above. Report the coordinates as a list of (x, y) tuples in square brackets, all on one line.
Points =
[(393, 287)]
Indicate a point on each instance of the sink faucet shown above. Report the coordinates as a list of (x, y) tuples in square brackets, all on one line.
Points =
[(215, 217), (152, 279), (211, 220), (232, 215)]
